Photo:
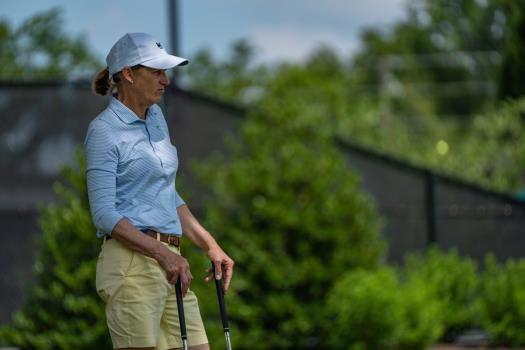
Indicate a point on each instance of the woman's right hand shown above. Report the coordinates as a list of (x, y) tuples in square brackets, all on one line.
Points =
[(176, 267)]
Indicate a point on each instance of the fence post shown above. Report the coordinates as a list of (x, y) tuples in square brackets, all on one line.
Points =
[(430, 196)]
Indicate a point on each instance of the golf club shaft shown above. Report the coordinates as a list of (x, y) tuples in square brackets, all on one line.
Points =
[(182, 318), (228, 341), (222, 306)]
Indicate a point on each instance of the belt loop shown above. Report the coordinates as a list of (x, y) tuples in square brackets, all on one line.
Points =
[(158, 236)]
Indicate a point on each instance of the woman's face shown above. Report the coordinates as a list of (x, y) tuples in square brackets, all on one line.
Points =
[(150, 83)]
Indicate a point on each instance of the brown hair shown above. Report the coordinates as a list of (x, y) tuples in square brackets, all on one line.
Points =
[(103, 84)]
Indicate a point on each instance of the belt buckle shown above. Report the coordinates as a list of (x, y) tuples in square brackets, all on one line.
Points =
[(170, 240)]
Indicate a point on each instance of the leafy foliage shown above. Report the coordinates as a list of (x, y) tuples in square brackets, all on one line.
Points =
[(462, 42), (292, 263), (235, 79), (377, 310), (502, 301), (63, 310), (291, 214), (423, 320), (450, 280), (494, 151), (39, 48), (511, 84), (365, 309), (425, 91), (434, 295)]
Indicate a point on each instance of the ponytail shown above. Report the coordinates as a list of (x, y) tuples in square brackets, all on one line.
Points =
[(101, 85)]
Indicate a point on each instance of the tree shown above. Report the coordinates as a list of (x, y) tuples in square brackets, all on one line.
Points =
[(449, 52), (427, 82), (235, 79), (39, 48), (511, 83), (493, 153), (290, 212)]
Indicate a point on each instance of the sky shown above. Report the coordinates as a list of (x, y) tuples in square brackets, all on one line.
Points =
[(279, 29)]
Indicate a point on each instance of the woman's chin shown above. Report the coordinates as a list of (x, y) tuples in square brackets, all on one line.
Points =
[(157, 98)]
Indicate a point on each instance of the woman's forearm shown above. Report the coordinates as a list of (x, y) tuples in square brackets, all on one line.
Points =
[(194, 231), (132, 238), (199, 236)]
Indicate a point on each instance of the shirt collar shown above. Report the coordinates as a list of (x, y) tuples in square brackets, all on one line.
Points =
[(125, 114)]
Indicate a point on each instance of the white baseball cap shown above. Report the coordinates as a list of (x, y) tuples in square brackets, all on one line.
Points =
[(140, 48)]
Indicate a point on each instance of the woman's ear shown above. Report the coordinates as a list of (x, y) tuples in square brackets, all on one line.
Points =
[(127, 74)]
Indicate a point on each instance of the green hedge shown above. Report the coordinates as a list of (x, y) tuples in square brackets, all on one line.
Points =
[(372, 310), (364, 309), (452, 281), (63, 310), (422, 316), (434, 295), (502, 301)]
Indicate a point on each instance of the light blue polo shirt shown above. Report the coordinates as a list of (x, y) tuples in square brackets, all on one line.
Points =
[(131, 170)]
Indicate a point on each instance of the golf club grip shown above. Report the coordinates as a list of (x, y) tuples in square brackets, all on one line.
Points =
[(180, 308), (220, 296)]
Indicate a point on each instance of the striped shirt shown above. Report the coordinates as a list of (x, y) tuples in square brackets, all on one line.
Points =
[(131, 170)]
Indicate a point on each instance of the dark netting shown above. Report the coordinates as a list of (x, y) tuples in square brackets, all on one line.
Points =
[(422, 208)]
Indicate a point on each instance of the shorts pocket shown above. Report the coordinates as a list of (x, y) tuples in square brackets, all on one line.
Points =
[(113, 265)]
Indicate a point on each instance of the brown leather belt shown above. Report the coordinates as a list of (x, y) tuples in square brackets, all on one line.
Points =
[(163, 237)]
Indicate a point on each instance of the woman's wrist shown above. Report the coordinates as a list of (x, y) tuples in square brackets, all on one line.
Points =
[(212, 244)]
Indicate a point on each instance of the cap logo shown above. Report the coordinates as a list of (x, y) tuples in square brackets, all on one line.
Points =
[(159, 45)]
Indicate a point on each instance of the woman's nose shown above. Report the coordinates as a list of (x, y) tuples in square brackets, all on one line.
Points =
[(164, 80)]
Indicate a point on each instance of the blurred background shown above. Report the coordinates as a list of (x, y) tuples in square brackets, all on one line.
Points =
[(363, 162)]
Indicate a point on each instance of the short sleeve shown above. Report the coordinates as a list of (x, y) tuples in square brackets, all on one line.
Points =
[(178, 200)]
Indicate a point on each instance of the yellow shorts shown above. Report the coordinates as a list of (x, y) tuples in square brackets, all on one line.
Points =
[(141, 306)]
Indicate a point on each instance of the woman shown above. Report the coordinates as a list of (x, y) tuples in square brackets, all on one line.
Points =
[(131, 169)]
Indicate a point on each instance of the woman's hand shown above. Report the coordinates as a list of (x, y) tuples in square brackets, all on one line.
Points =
[(223, 266), (176, 267), (194, 231)]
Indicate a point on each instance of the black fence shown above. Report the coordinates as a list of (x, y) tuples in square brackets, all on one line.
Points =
[(423, 208)]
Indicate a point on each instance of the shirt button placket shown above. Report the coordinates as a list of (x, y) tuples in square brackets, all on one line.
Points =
[(152, 145)]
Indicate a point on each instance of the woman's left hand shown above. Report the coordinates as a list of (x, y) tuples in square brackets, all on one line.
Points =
[(223, 266)]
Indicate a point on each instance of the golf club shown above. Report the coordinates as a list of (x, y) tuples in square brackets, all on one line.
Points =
[(182, 319), (222, 305)]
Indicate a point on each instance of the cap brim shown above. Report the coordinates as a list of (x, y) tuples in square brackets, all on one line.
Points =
[(165, 62)]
